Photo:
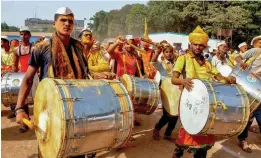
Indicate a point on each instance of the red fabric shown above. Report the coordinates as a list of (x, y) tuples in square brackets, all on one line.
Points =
[(131, 66), (5, 69), (150, 70), (194, 140), (24, 62)]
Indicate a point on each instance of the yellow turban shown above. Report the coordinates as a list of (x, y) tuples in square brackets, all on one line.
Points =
[(198, 36)]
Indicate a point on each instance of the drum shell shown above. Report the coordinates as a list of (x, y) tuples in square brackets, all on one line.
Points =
[(144, 93), (170, 95), (90, 116), (221, 122), (10, 86), (251, 86)]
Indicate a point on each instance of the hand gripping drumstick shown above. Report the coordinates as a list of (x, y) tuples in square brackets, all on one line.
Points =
[(28, 123)]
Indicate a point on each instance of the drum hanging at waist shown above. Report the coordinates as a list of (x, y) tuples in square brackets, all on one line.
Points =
[(214, 108), (144, 93), (10, 86), (170, 95), (76, 117)]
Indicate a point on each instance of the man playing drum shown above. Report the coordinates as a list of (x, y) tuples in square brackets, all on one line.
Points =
[(61, 57), (168, 64), (253, 58), (193, 65)]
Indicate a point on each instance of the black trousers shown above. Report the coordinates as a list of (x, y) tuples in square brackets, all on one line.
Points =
[(257, 114), (166, 118)]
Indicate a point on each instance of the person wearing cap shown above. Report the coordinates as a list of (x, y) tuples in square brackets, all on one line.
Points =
[(242, 49), (221, 57), (96, 61), (59, 57), (6, 54), (128, 61), (193, 65), (252, 58), (6, 64)]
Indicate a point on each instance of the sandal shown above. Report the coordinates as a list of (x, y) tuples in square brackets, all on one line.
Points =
[(244, 146)]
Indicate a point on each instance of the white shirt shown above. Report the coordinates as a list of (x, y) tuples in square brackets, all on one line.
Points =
[(24, 50)]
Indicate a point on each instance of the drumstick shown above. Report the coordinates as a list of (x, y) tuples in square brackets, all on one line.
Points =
[(28, 123)]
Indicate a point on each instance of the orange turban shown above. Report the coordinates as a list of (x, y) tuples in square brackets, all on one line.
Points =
[(198, 36)]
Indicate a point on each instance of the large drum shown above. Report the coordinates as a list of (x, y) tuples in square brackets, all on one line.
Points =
[(144, 93), (214, 108), (76, 117), (10, 85), (251, 83), (170, 95)]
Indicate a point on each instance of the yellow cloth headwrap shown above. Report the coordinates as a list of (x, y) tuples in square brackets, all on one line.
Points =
[(198, 36)]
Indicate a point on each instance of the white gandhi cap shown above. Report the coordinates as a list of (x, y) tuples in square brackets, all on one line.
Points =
[(255, 38), (24, 28), (221, 43), (64, 11), (242, 44), (4, 37), (129, 37)]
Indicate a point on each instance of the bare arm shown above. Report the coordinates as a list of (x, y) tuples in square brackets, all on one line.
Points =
[(26, 86), (112, 48), (156, 54), (239, 59), (15, 62), (175, 78)]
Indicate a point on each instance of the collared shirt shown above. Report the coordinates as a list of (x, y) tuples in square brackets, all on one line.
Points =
[(193, 69)]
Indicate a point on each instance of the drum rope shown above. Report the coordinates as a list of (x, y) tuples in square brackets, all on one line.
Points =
[(216, 103), (245, 102)]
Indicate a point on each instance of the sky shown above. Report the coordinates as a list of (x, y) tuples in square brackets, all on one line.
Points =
[(15, 12)]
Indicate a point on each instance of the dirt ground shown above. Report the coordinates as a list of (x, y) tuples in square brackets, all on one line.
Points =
[(16, 145)]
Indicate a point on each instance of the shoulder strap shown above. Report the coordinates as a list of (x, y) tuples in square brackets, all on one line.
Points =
[(184, 68)]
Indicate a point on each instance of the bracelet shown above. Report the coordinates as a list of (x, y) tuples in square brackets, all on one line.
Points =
[(19, 110)]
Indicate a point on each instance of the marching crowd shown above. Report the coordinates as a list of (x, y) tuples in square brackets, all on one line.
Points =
[(85, 58)]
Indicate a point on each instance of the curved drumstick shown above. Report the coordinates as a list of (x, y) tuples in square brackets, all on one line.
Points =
[(28, 123)]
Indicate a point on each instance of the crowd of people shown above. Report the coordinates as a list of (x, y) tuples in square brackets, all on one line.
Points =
[(85, 58)]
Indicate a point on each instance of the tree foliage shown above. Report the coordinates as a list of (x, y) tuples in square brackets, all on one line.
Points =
[(243, 17)]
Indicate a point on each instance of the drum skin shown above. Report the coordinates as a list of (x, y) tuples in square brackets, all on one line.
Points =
[(10, 86), (144, 93), (76, 117), (251, 84), (170, 95), (214, 108)]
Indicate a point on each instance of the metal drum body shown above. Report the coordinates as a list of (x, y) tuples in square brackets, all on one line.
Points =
[(144, 93), (214, 108), (170, 95), (10, 86), (76, 117), (251, 83)]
